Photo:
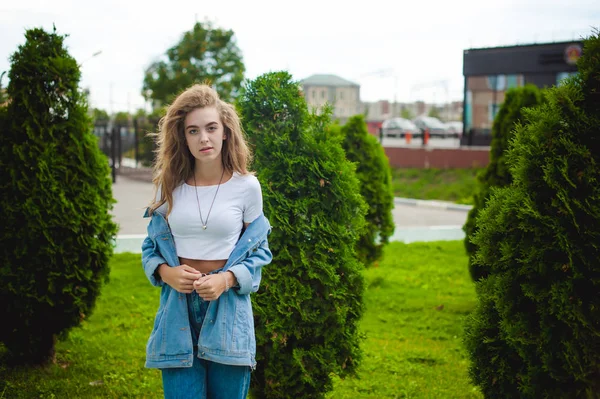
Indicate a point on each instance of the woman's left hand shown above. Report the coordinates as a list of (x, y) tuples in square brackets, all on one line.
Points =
[(210, 286)]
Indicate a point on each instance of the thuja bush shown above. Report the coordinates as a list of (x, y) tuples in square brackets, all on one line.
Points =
[(496, 174), (310, 301), (375, 177), (536, 330), (56, 233)]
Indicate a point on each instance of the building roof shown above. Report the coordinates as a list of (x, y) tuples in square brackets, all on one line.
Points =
[(511, 46), (327, 80)]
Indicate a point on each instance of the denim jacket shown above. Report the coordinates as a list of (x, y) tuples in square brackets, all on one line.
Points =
[(227, 334)]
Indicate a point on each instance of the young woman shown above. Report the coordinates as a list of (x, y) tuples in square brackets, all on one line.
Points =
[(206, 245)]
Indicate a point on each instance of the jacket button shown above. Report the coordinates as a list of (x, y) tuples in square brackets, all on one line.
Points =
[(202, 353), (249, 240)]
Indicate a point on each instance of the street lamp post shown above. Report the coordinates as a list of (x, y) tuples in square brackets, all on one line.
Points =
[(97, 53)]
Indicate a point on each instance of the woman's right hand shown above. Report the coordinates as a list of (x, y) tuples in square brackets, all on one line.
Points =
[(181, 278)]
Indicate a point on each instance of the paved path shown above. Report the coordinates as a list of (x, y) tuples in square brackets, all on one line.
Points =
[(415, 220)]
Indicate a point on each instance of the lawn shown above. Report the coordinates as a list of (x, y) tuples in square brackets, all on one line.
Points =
[(415, 303), (456, 185)]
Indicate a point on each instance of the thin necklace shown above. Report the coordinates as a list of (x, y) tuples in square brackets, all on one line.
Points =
[(211, 204)]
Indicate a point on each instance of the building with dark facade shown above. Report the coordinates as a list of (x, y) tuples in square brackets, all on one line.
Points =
[(489, 72)]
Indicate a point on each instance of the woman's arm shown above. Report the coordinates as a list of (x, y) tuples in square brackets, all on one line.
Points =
[(248, 272), (151, 260)]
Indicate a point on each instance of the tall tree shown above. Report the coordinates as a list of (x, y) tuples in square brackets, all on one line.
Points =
[(100, 115), (535, 332), (56, 235), (310, 301), (496, 174), (375, 177), (204, 54)]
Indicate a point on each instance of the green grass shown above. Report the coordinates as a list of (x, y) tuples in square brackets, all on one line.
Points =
[(456, 185), (415, 304), (412, 348)]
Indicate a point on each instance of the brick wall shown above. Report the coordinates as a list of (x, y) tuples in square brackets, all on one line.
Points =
[(438, 158)]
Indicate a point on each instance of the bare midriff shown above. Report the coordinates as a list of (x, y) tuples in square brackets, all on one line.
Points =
[(203, 266)]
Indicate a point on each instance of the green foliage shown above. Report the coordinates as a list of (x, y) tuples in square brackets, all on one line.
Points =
[(56, 235), (375, 177), (456, 185), (2, 88), (406, 113), (146, 126), (310, 300), (434, 112), (100, 116), (204, 54), (536, 330), (510, 115), (122, 118)]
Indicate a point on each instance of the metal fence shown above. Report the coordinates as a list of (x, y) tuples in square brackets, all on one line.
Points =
[(131, 141)]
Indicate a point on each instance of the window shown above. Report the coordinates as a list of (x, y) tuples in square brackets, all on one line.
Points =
[(314, 93), (496, 82), (341, 94), (493, 111), (512, 81), (322, 93)]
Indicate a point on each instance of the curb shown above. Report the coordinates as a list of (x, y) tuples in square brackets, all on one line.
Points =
[(449, 206)]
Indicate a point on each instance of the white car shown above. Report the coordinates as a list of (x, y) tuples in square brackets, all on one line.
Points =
[(435, 127), (399, 127), (454, 128)]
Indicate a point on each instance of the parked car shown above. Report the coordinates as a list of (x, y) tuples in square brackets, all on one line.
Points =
[(454, 128), (399, 127), (435, 127)]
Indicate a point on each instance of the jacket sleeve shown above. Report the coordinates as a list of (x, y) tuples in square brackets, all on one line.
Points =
[(151, 259), (248, 271)]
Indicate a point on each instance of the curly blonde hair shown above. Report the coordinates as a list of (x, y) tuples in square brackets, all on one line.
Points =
[(174, 161)]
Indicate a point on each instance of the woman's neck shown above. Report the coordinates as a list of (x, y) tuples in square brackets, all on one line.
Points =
[(208, 174)]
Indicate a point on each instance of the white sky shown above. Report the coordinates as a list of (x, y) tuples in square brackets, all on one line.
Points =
[(419, 43)]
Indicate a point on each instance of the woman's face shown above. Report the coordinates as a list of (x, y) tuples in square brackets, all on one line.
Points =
[(204, 134)]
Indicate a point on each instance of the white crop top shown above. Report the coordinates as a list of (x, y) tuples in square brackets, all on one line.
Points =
[(238, 201)]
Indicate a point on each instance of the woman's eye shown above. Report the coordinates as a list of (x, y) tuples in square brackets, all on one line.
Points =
[(192, 131)]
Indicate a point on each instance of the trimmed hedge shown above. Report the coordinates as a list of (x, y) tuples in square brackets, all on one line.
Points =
[(310, 301), (57, 234), (536, 330), (510, 116), (375, 177)]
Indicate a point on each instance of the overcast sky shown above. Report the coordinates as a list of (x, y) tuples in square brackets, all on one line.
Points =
[(418, 45)]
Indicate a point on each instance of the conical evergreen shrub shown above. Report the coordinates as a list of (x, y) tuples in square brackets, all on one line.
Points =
[(310, 300), (536, 330), (496, 174), (56, 233), (375, 177)]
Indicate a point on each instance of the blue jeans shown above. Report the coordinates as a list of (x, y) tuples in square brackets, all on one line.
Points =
[(205, 379)]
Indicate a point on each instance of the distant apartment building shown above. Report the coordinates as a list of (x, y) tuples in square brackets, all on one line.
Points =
[(384, 109), (343, 95), (490, 72)]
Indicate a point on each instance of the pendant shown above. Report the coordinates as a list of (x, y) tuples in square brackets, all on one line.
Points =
[(204, 227)]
